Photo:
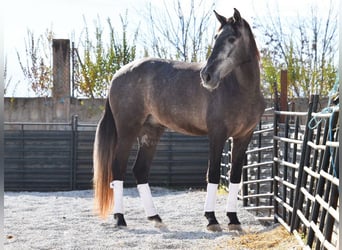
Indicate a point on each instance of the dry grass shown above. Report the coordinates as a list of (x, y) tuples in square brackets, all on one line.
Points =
[(275, 238)]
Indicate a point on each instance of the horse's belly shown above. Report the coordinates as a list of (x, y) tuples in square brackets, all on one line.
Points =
[(181, 124)]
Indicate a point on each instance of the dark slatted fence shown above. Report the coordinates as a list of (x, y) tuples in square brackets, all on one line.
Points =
[(48, 157), (38, 160)]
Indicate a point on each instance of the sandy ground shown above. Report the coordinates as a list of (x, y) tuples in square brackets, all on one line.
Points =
[(65, 220)]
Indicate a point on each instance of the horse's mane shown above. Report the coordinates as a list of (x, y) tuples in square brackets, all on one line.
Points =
[(252, 39)]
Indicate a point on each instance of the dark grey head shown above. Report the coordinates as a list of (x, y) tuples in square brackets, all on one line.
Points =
[(234, 45)]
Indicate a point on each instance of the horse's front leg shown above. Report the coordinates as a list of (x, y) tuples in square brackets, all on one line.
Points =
[(216, 144), (238, 155)]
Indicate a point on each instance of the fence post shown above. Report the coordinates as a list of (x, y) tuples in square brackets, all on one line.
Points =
[(303, 161), (283, 93), (61, 79), (74, 125), (275, 168)]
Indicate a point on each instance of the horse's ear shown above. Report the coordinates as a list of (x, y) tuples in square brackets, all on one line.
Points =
[(237, 16), (221, 19)]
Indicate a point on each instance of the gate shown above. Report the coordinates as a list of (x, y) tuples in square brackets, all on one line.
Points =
[(303, 174)]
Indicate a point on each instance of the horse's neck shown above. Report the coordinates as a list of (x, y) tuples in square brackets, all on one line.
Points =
[(248, 76)]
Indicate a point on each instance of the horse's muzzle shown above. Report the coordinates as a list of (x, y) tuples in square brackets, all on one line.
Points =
[(208, 81)]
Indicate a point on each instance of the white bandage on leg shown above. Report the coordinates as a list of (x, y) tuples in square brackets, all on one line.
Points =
[(118, 196), (146, 198), (210, 199), (232, 197)]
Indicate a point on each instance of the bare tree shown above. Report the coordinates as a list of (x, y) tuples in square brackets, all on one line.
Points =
[(36, 66), (180, 32), (305, 47)]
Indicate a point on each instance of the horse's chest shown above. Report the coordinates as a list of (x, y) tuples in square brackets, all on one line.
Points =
[(241, 119)]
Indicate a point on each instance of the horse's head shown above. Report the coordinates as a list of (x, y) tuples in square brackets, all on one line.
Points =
[(234, 45)]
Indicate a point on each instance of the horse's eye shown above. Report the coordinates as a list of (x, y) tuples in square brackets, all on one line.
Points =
[(215, 37), (231, 39)]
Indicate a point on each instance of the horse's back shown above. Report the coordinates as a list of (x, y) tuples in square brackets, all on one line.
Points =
[(168, 91), (153, 78)]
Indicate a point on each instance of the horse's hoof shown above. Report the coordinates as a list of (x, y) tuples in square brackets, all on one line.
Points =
[(213, 225), (235, 227), (214, 228), (158, 223), (120, 221), (161, 226)]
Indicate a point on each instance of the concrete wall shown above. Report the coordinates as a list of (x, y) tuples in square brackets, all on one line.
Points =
[(52, 109), (88, 110)]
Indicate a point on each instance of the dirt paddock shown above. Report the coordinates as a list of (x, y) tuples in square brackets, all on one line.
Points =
[(65, 220)]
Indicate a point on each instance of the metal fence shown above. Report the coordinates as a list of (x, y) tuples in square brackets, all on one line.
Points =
[(58, 156), (306, 176), (298, 185)]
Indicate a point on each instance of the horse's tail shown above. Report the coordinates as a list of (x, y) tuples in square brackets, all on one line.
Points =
[(103, 155)]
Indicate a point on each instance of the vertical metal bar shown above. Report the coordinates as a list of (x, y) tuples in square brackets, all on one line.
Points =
[(320, 186), (294, 160), (275, 169), (259, 161), (303, 161), (286, 151), (244, 186), (74, 149), (23, 165), (334, 197), (313, 181)]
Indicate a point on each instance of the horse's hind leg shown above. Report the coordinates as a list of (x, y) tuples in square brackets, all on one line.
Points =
[(148, 140), (125, 139)]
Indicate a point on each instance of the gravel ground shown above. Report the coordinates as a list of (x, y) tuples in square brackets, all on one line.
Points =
[(65, 220)]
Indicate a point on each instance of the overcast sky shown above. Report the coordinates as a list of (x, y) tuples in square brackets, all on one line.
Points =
[(66, 18)]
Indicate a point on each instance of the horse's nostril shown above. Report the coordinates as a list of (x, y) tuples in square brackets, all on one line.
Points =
[(207, 77)]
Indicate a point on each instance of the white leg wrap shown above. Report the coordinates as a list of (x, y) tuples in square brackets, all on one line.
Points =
[(118, 196), (146, 198), (232, 197), (210, 199)]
